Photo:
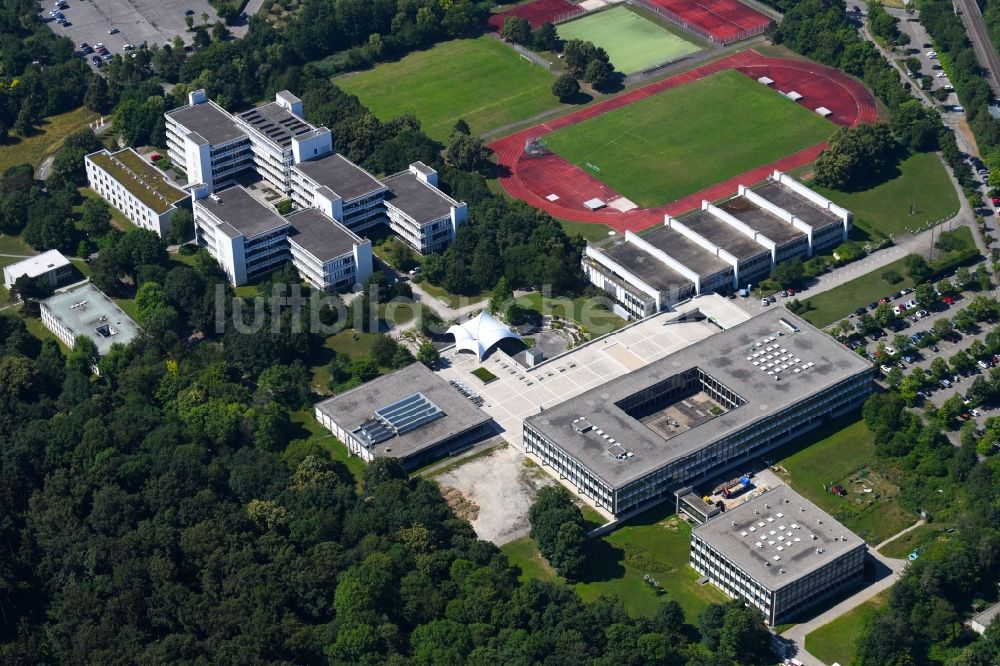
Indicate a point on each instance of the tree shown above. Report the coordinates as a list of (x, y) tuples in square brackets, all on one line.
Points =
[(939, 369), (788, 273), (895, 377), (599, 73), (567, 556), (516, 29), (501, 299), (462, 127), (885, 314), (31, 290), (926, 296), (287, 385), (557, 527), (96, 218), (545, 38), (96, 97), (565, 87), (855, 156), (867, 324), (468, 153), (963, 277), (428, 354), (50, 230), (917, 268), (961, 361)]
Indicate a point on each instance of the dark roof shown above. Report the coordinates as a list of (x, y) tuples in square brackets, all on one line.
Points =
[(646, 267), (760, 220), (240, 210), (345, 178), (721, 234), (209, 121), (353, 408), (783, 196), (724, 356), (420, 201), (320, 236), (686, 251), (276, 123)]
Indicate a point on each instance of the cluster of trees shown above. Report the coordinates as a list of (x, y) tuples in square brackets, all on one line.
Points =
[(924, 612), (543, 38), (558, 529), (884, 25), (156, 511), (346, 373)]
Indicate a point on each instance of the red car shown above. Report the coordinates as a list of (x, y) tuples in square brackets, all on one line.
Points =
[(791, 292), (949, 300), (996, 201), (155, 156)]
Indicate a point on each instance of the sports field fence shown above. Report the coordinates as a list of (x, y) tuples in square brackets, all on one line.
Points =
[(765, 9), (676, 19), (568, 15)]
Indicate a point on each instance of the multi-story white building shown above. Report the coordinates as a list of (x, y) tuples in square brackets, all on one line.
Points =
[(779, 552), (341, 189), (205, 141), (248, 238), (419, 213), (327, 254), (716, 248), (51, 265), (136, 188)]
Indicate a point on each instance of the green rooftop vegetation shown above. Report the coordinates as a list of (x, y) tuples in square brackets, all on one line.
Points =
[(142, 179)]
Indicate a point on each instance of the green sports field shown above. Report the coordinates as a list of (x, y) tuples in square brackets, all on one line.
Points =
[(632, 42), (481, 80), (685, 139)]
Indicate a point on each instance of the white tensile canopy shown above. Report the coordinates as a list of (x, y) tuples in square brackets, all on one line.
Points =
[(480, 333)]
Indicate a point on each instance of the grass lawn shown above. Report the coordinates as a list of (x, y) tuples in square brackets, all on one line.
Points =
[(310, 438), (917, 538), (14, 245), (349, 341), (128, 305), (835, 453), (37, 329), (47, 139), (632, 42), (590, 232), (485, 375), (839, 302), (690, 137), (834, 642), (596, 320), (481, 80), (450, 299), (654, 543), (885, 209)]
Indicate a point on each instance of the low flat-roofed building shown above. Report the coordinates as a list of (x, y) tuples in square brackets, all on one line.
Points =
[(341, 189), (779, 552), (135, 187), (825, 222), (246, 236), (327, 254), (789, 242), (754, 260), (419, 213), (411, 414), (51, 265), (86, 311), (640, 283), (632, 441)]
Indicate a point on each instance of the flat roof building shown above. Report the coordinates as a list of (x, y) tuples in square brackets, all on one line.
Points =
[(205, 140), (411, 414), (719, 247), (341, 189), (247, 237), (632, 441), (779, 552), (51, 265), (86, 311), (419, 213), (981, 622), (327, 254), (135, 187)]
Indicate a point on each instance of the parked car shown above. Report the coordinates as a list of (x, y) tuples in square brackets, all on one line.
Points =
[(948, 300), (922, 313), (933, 348), (944, 383), (910, 304), (932, 55), (112, 31), (940, 75), (974, 412), (860, 311)]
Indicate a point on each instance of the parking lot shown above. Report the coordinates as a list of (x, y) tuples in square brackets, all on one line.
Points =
[(137, 21)]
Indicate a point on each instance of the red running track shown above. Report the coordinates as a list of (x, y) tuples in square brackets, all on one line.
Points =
[(725, 20), (535, 13), (533, 179)]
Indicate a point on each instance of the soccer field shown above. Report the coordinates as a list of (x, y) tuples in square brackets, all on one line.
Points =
[(481, 80), (632, 42), (685, 139)]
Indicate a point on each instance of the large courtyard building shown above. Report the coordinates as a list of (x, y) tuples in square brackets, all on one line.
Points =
[(717, 248), (779, 552), (636, 439), (51, 266), (136, 188), (410, 414), (86, 311)]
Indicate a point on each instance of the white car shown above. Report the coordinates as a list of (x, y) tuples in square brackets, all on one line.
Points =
[(941, 75), (974, 412), (983, 364), (932, 55), (910, 304)]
